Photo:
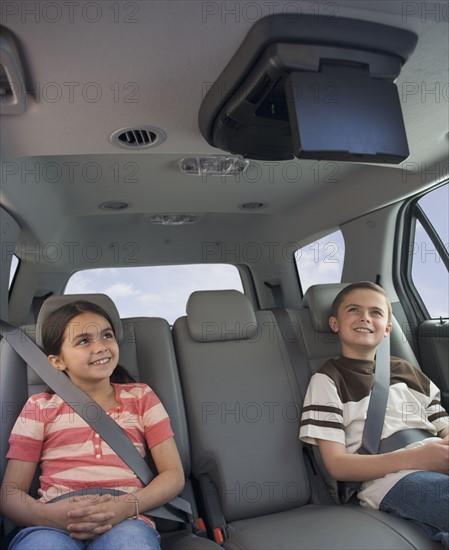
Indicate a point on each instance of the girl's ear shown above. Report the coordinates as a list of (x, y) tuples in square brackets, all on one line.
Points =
[(56, 362), (388, 328), (333, 323)]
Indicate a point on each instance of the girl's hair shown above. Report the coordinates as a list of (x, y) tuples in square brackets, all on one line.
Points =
[(357, 286), (54, 327)]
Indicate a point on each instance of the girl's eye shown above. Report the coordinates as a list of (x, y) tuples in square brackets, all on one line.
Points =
[(108, 335), (83, 341)]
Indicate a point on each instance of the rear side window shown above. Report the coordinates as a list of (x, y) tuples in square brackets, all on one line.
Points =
[(321, 262), (429, 252), (156, 291)]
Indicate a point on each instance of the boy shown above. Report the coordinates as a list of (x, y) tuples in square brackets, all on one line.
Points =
[(407, 482)]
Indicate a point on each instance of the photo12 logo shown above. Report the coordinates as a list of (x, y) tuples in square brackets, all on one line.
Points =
[(72, 92), (69, 11)]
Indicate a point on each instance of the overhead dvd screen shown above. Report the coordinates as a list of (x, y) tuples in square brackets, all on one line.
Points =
[(342, 113)]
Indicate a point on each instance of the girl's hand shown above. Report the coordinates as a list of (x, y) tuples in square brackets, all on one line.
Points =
[(92, 515)]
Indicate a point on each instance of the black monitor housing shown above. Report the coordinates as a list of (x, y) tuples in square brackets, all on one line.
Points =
[(311, 89)]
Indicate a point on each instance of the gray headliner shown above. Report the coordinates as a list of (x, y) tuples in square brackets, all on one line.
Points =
[(172, 52)]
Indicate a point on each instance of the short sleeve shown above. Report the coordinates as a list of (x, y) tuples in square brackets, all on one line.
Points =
[(27, 435), (322, 413), (155, 419)]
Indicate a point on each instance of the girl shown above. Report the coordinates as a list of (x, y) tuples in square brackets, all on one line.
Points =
[(79, 340)]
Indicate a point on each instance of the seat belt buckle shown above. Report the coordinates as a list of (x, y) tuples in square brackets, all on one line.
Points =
[(220, 535), (200, 529)]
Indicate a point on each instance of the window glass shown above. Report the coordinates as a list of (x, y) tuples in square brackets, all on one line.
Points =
[(12, 271), (321, 262), (429, 274), (156, 291)]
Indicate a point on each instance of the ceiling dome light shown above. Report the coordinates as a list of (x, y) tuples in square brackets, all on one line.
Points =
[(173, 219), (213, 166)]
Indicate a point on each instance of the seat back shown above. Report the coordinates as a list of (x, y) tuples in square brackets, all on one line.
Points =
[(241, 403)]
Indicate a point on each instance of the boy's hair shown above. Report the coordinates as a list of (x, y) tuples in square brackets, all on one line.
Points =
[(357, 286), (53, 331)]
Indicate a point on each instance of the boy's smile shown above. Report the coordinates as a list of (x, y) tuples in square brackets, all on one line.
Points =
[(361, 322)]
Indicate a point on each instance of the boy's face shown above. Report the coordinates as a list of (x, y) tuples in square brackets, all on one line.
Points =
[(361, 322)]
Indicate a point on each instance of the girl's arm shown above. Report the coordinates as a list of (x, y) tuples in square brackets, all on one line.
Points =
[(16, 504), (354, 467), (22, 509), (170, 480), (166, 485)]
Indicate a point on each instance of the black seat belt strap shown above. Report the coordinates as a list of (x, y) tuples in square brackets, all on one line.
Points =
[(100, 422)]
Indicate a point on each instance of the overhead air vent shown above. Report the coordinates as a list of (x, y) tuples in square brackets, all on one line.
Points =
[(138, 138), (13, 95)]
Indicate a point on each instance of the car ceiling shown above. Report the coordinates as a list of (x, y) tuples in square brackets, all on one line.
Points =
[(154, 71)]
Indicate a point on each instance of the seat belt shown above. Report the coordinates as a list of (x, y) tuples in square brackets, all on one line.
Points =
[(375, 416), (377, 406), (180, 509)]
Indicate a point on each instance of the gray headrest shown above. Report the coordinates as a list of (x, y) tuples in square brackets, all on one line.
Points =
[(220, 315), (318, 299), (55, 302)]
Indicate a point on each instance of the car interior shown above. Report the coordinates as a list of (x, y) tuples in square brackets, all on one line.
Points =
[(174, 133)]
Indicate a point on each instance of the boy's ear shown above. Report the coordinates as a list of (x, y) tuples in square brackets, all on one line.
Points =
[(388, 328), (56, 362), (333, 323)]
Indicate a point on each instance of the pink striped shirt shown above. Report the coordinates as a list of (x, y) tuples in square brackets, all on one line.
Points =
[(72, 455)]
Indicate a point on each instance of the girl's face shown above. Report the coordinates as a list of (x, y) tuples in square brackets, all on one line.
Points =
[(89, 351)]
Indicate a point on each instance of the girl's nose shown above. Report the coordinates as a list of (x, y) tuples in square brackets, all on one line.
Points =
[(99, 345)]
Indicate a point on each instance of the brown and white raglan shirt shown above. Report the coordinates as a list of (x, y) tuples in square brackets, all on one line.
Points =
[(336, 404)]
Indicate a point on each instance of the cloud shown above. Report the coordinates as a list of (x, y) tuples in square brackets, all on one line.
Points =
[(121, 290)]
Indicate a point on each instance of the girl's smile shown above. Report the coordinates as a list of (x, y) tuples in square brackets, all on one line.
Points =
[(89, 352)]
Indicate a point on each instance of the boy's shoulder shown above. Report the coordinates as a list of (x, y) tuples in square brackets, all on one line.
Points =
[(404, 372)]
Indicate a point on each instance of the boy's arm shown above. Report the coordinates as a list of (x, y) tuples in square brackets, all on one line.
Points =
[(354, 467), (444, 433)]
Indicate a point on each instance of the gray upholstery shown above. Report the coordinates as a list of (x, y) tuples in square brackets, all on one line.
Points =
[(243, 413), (243, 420), (318, 299), (220, 316), (148, 355)]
